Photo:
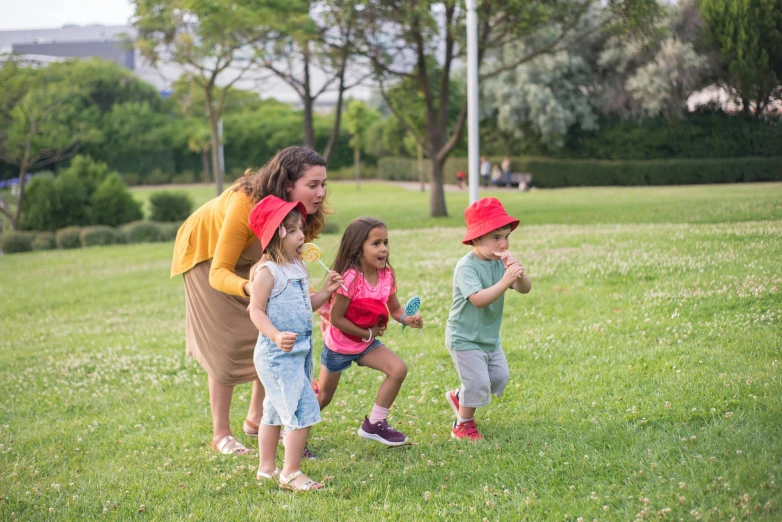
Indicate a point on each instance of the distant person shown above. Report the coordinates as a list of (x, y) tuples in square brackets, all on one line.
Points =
[(485, 170), (496, 175), (215, 249), (506, 170), (460, 177), (472, 332)]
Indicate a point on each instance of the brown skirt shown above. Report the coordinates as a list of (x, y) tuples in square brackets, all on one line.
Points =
[(220, 334)]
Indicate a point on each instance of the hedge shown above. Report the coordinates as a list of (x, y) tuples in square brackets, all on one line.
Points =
[(552, 172), (44, 241), (169, 207), (68, 237), (14, 242), (142, 232), (98, 236)]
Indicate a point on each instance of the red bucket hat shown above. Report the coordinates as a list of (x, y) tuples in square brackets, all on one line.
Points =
[(485, 215), (268, 214)]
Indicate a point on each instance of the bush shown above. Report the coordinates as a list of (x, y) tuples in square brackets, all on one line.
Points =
[(98, 235), (553, 172), (157, 177), (68, 237), (168, 207), (331, 227), (349, 173), (14, 242), (44, 241), (142, 232), (131, 179), (402, 169), (184, 177), (113, 204), (168, 231), (39, 199)]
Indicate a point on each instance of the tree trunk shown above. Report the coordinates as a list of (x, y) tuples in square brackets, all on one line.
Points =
[(216, 156), (436, 192), (337, 114), (421, 167), (357, 165), (309, 128), (205, 165)]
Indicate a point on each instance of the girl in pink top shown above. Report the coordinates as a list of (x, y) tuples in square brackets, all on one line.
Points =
[(359, 316)]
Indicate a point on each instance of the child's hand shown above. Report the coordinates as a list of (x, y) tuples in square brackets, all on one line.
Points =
[(378, 331), (414, 321), (285, 340), (512, 273), (333, 281)]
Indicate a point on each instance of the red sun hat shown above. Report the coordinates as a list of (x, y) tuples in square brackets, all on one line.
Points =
[(268, 214), (484, 216)]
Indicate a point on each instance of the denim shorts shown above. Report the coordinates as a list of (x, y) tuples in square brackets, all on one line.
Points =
[(339, 362)]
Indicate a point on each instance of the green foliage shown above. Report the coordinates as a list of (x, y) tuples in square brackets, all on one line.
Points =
[(98, 235), (91, 172), (331, 227), (142, 232), (14, 242), (113, 204), (748, 35), (168, 231), (170, 206), (68, 237), (553, 172), (44, 241)]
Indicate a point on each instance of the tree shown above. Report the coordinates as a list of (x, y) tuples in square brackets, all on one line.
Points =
[(748, 34), (410, 40), (41, 122), (315, 56), (359, 117), (217, 41)]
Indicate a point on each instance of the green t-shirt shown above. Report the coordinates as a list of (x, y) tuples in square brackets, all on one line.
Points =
[(469, 327)]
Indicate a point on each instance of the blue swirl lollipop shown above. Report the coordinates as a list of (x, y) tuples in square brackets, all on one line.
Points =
[(412, 306)]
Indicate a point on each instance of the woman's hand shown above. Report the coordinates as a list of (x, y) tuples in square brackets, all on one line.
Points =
[(285, 340)]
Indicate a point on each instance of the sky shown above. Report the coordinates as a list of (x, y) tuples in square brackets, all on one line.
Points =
[(50, 14)]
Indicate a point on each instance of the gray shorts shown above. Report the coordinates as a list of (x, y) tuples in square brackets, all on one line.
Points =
[(483, 374)]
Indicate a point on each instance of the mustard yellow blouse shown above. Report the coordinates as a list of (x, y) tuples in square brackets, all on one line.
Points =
[(219, 231)]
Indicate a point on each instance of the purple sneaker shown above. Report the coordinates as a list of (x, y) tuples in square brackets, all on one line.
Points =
[(381, 432)]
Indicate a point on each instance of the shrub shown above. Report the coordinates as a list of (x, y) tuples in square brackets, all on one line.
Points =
[(14, 242), (142, 232), (113, 204), (90, 172), (168, 231), (331, 227), (98, 235), (349, 173), (68, 237), (157, 177), (39, 200), (131, 179), (170, 206), (44, 241), (184, 177)]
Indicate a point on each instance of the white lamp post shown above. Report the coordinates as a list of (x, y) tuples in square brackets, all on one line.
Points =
[(473, 171)]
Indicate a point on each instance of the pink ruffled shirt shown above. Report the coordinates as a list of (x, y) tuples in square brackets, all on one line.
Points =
[(385, 288)]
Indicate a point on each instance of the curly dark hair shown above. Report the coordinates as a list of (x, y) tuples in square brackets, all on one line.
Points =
[(287, 166)]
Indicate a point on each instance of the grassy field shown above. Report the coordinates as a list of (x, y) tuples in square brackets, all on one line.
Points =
[(645, 376)]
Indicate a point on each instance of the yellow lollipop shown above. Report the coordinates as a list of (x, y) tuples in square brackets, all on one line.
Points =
[(311, 253)]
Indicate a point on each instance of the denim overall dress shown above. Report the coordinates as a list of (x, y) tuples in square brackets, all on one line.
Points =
[(289, 401)]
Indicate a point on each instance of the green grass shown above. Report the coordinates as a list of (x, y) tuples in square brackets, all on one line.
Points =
[(645, 377), (403, 208)]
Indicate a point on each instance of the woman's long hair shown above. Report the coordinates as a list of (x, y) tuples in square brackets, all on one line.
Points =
[(351, 248), (287, 166)]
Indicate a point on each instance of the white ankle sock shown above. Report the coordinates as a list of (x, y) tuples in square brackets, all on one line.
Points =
[(462, 421)]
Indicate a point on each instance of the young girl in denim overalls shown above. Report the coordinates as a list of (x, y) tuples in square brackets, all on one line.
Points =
[(281, 308)]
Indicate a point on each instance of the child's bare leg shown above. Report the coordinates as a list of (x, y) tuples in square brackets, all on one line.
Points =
[(327, 382), (386, 361), (295, 442), (466, 413), (268, 436)]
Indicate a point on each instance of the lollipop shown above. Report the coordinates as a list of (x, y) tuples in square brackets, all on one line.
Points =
[(412, 306), (311, 253)]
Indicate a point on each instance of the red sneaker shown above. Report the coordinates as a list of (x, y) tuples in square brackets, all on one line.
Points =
[(465, 430), (452, 398)]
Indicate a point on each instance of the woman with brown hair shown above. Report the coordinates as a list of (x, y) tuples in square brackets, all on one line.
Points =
[(215, 249)]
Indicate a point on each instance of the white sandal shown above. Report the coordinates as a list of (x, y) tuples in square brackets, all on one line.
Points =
[(286, 483), (267, 476), (228, 445)]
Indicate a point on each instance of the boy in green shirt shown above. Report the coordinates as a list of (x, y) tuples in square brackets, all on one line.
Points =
[(472, 332)]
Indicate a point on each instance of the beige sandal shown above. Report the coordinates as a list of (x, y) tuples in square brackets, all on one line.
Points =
[(250, 428), (286, 483), (267, 476), (228, 445)]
